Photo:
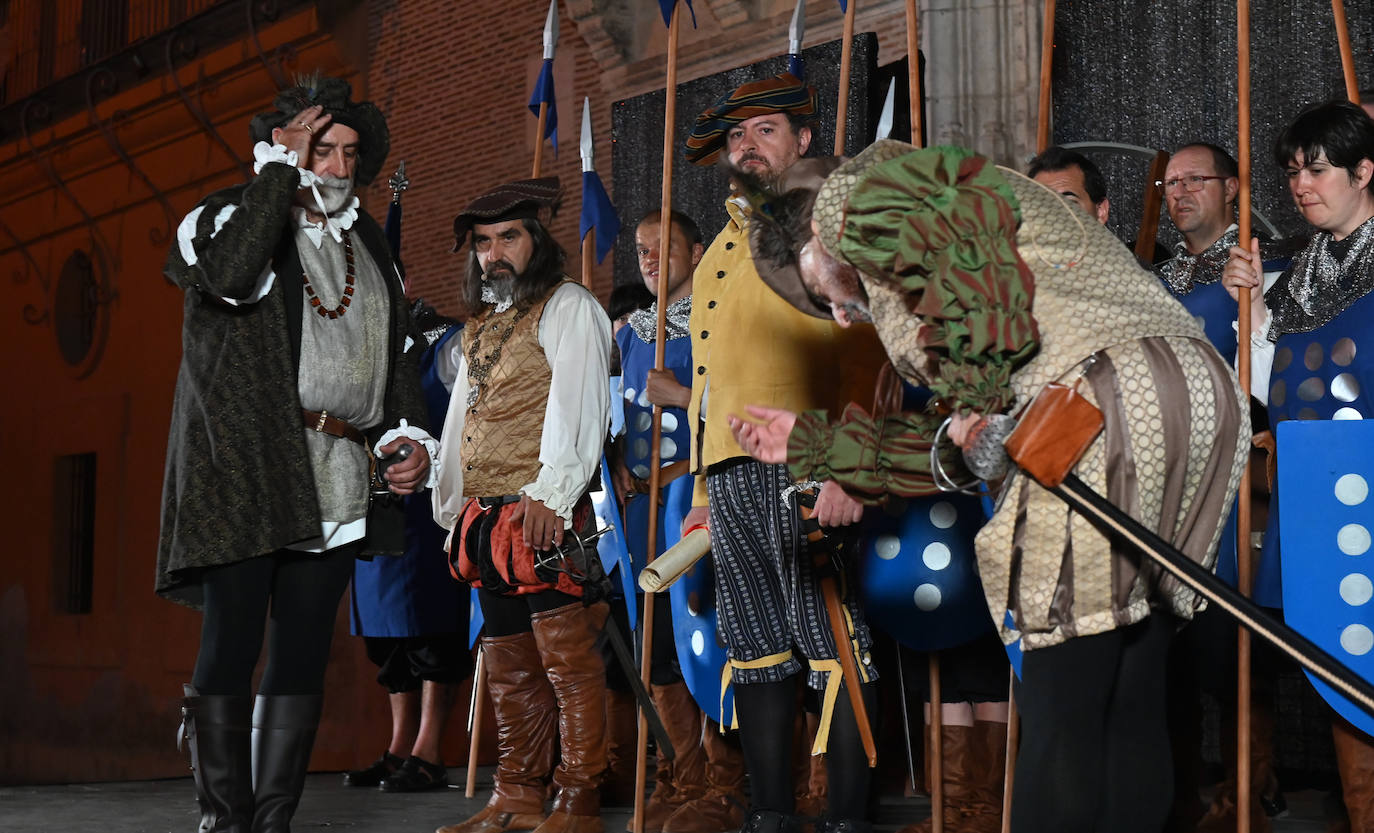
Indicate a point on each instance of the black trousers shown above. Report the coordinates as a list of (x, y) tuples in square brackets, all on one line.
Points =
[(509, 615), (301, 591), (1094, 752)]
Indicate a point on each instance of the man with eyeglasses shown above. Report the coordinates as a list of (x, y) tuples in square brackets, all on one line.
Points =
[(1200, 188)]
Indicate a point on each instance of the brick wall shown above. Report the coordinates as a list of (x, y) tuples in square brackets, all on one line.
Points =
[(454, 79)]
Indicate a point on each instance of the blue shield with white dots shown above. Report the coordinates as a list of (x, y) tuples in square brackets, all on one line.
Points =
[(613, 547), (700, 653), (1326, 515), (918, 578)]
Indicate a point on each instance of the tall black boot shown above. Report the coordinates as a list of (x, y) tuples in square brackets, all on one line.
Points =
[(283, 734), (216, 729)]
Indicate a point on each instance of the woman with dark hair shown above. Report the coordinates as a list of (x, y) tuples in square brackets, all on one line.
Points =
[(1319, 310)]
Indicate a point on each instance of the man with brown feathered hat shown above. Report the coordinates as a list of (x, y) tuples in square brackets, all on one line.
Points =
[(297, 372)]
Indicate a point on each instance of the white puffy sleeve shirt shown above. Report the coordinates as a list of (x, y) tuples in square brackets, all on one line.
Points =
[(575, 335)]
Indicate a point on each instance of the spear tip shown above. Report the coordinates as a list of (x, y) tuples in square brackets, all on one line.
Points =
[(551, 30), (587, 147), (796, 31)]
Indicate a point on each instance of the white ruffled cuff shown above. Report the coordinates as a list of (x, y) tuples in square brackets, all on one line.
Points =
[(1259, 337), (547, 491), (264, 153), (419, 435)]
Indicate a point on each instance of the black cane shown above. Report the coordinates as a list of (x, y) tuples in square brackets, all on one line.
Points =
[(1108, 517)]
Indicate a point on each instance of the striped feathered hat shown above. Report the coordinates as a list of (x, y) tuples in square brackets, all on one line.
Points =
[(783, 93)]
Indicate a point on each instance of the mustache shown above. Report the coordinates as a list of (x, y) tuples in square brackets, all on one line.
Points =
[(499, 265)]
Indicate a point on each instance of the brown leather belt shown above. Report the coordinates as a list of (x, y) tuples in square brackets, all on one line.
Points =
[(333, 426)]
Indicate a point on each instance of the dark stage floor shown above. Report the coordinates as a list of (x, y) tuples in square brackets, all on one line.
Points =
[(169, 807)]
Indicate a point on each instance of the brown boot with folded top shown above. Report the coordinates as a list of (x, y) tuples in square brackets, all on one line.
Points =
[(526, 721)]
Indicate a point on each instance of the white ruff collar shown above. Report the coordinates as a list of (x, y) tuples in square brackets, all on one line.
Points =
[(336, 224)]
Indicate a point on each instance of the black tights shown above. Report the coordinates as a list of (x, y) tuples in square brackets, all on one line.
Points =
[(302, 591), (1094, 741), (766, 712), (509, 615)]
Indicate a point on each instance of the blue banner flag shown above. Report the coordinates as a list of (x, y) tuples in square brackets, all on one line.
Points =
[(666, 6), (598, 213), (796, 66), (844, 6), (543, 94)]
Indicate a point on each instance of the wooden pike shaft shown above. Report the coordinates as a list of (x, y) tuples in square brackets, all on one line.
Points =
[(589, 257), (539, 139), (1244, 567), (913, 57), (846, 58), (479, 703), (1042, 127), (937, 748), (665, 236), (1013, 742), (1352, 87), (1149, 215)]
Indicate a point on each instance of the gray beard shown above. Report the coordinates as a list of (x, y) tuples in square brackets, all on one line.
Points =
[(498, 291), (335, 192)]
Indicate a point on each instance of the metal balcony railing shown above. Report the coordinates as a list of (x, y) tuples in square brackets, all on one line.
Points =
[(42, 41)]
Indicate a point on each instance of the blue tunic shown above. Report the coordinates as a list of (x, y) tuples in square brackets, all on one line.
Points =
[(636, 360), (414, 595)]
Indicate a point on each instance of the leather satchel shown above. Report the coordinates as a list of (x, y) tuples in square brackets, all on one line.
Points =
[(1054, 433)]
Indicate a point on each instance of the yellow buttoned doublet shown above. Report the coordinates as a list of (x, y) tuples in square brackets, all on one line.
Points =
[(750, 347)]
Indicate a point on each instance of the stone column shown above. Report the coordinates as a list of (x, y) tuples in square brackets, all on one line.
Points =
[(982, 75)]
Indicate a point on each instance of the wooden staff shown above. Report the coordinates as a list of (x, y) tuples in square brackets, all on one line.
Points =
[(1352, 87), (1013, 742), (479, 703), (665, 236), (588, 257), (1042, 128), (588, 151), (913, 71), (539, 139), (1149, 215), (1244, 568), (937, 748), (846, 57)]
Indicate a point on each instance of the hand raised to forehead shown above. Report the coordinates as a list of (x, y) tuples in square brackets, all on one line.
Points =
[(301, 132)]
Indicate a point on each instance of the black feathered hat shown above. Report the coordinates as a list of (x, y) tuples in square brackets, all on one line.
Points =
[(335, 95)]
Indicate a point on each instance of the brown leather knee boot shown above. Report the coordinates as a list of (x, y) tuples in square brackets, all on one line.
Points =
[(526, 718), (622, 744), (957, 758), (1355, 763), (1221, 814), (686, 773), (567, 638), (721, 808)]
